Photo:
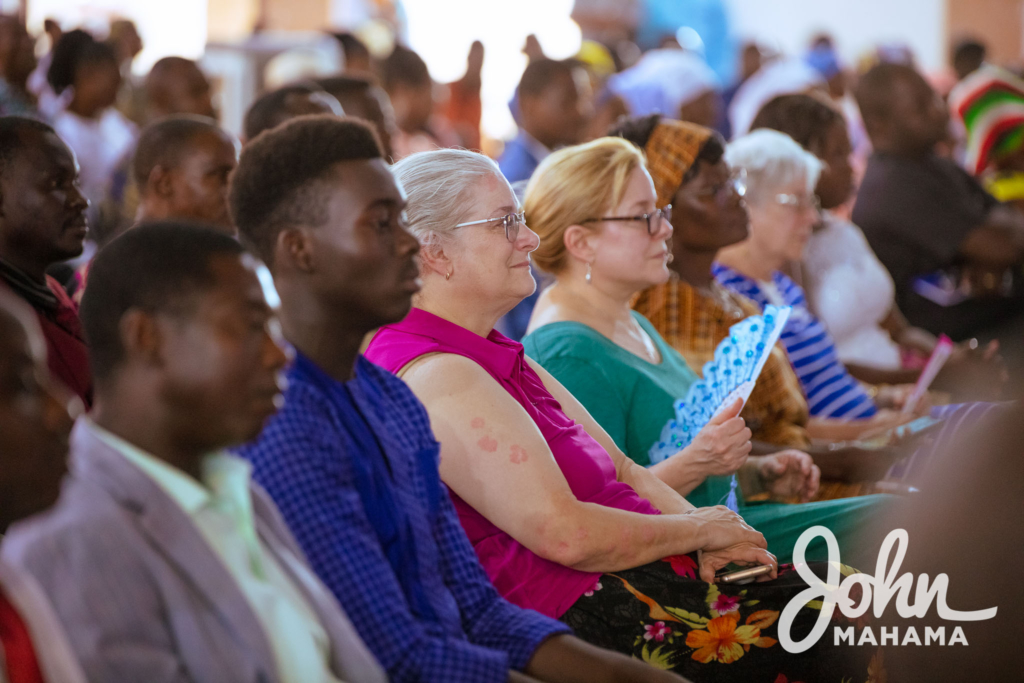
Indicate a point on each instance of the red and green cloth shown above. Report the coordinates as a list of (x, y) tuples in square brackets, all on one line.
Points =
[(990, 103)]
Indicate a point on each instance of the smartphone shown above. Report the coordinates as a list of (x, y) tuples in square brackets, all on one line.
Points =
[(743, 576)]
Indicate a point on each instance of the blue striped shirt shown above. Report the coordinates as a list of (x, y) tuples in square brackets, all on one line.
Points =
[(831, 391)]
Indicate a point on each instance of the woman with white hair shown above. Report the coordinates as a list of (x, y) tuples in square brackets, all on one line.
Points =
[(562, 521), (783, 207)]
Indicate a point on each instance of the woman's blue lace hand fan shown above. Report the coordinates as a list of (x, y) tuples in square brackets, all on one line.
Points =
[(731, 375)]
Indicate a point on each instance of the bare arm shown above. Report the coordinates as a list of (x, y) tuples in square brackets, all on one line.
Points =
[(495, 458), (998, 243), (642, 480)]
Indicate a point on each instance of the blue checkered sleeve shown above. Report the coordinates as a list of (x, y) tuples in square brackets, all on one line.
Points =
[(297, 463), (487, 618)]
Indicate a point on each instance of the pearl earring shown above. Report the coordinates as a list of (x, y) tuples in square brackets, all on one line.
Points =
[(588, 274), (448, 275)]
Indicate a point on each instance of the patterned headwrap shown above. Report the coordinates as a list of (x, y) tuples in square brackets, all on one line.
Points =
[(671, 151), (990, 102)]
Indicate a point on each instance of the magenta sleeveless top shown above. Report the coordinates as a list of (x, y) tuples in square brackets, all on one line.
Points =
[(521, 576)]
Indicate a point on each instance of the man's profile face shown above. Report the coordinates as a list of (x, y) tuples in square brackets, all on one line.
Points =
[(365, 256), (34, 420), (43, 209), (222, 358), (199, 183)]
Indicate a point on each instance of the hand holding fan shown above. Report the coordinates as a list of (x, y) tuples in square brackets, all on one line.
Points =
[(731, 375)]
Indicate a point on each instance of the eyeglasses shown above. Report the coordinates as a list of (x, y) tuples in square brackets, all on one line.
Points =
[(510, 222), (653, 220), (722, 192), (799, 202)]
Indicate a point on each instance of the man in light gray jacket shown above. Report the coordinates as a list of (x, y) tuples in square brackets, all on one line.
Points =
[(35, 419), (162, 559)]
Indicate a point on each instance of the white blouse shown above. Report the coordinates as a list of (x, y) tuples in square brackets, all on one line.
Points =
[(852, 293)]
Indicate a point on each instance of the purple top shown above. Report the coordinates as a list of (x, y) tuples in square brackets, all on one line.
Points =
[(521, 576)]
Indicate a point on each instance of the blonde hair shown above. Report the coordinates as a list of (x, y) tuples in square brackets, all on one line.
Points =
[(572, 185), (436, 184)]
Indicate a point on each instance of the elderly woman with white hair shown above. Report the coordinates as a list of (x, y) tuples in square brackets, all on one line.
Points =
[(783, 208), (562, 521)]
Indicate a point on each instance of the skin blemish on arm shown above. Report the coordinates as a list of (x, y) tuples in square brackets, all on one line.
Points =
[(488, 444), (518, 455), (477, 423)]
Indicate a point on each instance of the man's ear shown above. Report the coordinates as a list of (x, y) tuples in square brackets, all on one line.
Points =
[(580, 243), (159, 182), (294, 248), (141, 337)]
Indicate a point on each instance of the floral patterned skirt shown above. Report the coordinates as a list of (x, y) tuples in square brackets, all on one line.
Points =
[(661, 613)]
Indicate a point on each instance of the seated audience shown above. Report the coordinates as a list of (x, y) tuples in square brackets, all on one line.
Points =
[(693, 312), (100, 136), (351, 459), (358, 60), (361, 97), (407, 81), (35, 423), (560, 518), (283, 104), (672, 82), (162, 560), (926, 218), (968, 56), (182, 165), (554, 105), (620, 369), (175, 85), (849, 290), (783, 208), (17, 62), (43, 223)]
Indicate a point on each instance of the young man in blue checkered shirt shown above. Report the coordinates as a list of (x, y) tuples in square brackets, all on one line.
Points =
[(351, 460)]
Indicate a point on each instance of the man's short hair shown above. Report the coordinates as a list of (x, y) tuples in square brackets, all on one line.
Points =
[(12, 139), (74, 50), (155, 266), (969, 53), (403, 67), (876, 89), (805, 118), (165, 142), (345, 84), (271, 109), (541, 73), (276, 182)]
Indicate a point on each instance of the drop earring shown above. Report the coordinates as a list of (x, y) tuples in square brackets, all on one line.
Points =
[(589, 277)]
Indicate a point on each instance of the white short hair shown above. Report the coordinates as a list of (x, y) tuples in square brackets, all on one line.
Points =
[(435, 184), (772, 160)]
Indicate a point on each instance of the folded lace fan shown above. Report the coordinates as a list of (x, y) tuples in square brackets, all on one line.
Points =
[(730, 375)]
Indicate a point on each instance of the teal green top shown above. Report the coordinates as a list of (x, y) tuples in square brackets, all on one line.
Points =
[(633, 400), (630, 397)]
